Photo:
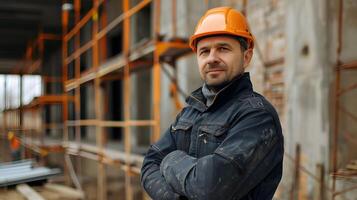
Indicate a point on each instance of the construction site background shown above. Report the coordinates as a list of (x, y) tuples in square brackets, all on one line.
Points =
[(90, 95)]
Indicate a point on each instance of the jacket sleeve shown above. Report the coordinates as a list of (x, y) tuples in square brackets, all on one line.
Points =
[(252, 148), (151, 179)]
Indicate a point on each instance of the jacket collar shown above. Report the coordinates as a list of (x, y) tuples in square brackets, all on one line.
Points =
[(238, 86)]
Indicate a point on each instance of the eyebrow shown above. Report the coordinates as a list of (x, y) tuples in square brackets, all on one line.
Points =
[(224, 44), (220, 44)]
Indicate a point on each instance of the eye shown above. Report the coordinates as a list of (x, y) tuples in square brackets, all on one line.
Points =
[(223, 49), (203, 52)]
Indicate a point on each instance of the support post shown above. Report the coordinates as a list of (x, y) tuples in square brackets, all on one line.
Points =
[(98, 92), (319, 189), (65, 18), (295, 186), (127, 103)]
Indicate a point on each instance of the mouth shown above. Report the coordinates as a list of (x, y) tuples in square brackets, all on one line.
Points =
[(214, 71)]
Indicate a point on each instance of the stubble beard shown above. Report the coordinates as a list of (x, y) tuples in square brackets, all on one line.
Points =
[(220, 85), (217, 86)]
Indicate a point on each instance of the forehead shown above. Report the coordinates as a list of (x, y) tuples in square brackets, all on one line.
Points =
[(217, 40)]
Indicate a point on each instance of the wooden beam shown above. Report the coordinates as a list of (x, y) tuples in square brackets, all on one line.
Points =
[(156, 82), (29, 193), (127, 102), (64, 191)]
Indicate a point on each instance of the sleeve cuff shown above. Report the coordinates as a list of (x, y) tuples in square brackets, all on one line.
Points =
[(175, 168)]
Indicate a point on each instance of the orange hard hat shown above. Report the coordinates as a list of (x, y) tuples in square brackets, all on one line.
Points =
[(10, 135), (222, 20)]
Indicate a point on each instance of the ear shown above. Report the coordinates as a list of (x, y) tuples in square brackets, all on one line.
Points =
[(247, 56)]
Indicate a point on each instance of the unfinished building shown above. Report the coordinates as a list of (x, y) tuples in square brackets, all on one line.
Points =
[(98, 81)]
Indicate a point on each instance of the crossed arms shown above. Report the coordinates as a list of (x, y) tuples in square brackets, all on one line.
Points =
[(250, 151)]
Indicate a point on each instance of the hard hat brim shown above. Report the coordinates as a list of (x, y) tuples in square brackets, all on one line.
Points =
[(195, 38)]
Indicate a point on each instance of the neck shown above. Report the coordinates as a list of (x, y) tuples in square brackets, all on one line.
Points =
[(216, 88)]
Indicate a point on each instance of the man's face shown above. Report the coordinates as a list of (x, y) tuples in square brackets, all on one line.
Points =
[(220, 59)]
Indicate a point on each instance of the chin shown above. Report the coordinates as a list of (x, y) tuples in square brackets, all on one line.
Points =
[(216, 84)]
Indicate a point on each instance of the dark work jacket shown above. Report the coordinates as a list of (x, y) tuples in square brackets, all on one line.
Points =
[(230, 150)]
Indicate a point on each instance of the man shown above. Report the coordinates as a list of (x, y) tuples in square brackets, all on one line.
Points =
[(15, 146), (227, 143)]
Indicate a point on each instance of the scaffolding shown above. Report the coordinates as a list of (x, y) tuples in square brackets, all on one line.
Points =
[(28, 120), (143, 55), (132, 59), (349, 171)]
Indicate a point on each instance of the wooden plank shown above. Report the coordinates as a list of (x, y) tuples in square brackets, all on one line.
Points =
[(28, 192), (64, 191), (115, 155), (352, 165)]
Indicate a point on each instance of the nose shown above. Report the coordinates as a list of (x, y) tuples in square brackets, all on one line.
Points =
[(212, 58)]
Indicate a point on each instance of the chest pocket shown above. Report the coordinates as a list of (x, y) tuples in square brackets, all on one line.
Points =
[(210, 136), (181, 131)]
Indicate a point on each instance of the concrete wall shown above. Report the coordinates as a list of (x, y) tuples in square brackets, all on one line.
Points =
[(187, 72), (308, 77), (141, 101)]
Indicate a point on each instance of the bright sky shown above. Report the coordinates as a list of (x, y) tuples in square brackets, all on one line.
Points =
[(31, 88)]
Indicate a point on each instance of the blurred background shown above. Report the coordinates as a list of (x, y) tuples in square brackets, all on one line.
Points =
[(87, 85)]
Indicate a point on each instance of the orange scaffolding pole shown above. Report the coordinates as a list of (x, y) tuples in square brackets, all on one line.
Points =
[(127, 103)]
